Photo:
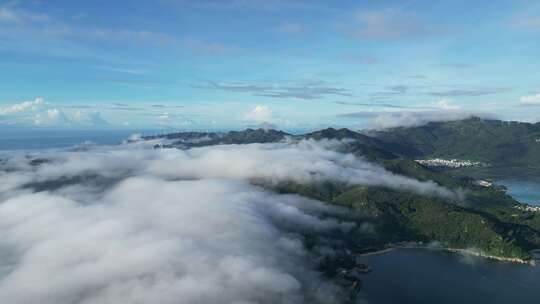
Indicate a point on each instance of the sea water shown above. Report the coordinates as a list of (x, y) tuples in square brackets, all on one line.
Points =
[(433, 276), (32, 139), (524, 191)]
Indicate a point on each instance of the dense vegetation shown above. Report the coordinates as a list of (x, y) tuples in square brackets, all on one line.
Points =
[(402, 216)]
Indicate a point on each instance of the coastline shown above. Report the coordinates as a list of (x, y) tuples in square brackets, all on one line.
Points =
[(392, 247), (531, 262)]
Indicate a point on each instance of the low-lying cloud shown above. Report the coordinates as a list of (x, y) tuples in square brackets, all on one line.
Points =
[(137, 225), (394, 119), (154, 241), (306, 161)]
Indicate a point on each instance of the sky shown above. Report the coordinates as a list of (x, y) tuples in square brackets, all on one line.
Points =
[(230, 64)]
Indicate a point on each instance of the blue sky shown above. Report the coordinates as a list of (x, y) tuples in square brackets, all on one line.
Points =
[(293, 64)]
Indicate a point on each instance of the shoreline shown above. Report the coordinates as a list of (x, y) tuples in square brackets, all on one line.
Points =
[(531, 262)]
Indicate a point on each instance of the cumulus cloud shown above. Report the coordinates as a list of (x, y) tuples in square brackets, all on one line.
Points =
[(42, 114), (51, 117), (260, 113), (22, 107), (89, 118), (446, 104), (57, 118), (530, 100), (137, 225), (172, 120)]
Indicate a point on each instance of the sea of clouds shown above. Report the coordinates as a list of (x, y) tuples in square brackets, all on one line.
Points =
[(129, 224)]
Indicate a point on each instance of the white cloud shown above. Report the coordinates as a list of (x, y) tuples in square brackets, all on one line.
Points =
[(157, 241), (303, 162), (40, 113), (260, 113), (530, 100), (164, 118), (154, 239), (446, 104), (172, 120), (89, 118), (51, 117), (153, 226), (415, 118), (23, 106)]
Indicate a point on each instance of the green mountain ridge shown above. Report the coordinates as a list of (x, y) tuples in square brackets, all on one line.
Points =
[(484, 219)]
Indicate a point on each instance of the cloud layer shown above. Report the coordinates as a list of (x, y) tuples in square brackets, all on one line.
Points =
[(135, 225), (155, 241), (305, 90)]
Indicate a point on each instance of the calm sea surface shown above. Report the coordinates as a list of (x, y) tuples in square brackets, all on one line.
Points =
[(429, 276), (523, 191), (47, 139)]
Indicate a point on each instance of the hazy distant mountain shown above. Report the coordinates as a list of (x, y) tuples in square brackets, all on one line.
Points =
[(492, 141)]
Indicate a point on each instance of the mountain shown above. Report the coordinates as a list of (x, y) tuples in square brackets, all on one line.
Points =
[(199, 139), (498, 143), (484, 218)]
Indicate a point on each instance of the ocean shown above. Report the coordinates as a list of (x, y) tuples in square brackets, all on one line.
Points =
[(23, 139), (524, 191), (424, 276)]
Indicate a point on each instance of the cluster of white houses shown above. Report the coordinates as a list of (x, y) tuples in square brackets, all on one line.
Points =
[(528, 208), (451, 163)]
